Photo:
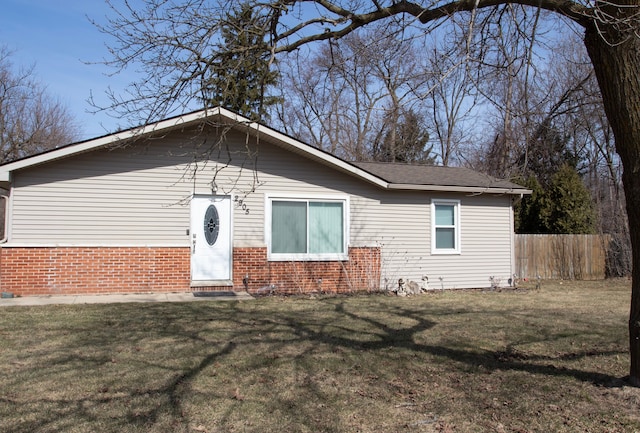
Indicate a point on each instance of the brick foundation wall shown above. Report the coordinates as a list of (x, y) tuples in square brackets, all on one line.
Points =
[(93, 270), (252, 271), (102, 270)]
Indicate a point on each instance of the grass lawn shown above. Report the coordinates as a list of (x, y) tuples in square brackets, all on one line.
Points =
[(547, 360)]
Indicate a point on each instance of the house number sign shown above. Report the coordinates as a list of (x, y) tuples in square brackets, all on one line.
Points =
[(240, 204)]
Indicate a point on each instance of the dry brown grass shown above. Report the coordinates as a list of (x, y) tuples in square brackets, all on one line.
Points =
[(547, 360)]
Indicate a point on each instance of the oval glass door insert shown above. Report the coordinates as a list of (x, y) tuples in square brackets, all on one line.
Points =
[(211, 225)]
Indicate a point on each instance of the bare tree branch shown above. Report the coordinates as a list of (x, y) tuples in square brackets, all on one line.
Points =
[(351, 20)]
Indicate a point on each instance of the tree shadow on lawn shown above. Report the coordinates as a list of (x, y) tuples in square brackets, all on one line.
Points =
[(490, 360), (196, 324)]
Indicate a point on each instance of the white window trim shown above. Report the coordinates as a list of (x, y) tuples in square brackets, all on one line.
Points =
[(275, 257), (457, 226)]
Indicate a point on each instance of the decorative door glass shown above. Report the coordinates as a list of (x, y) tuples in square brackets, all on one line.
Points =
[(211, 225)]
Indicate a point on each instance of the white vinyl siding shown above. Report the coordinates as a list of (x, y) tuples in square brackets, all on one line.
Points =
[(140, 194), (399, 222)]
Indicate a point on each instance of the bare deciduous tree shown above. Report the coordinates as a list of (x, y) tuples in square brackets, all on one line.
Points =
[(339, 99), (31, 121), (452, 97), (347, 98), (556, 117)]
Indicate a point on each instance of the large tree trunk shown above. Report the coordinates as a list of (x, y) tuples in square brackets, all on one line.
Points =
[(615, 54)]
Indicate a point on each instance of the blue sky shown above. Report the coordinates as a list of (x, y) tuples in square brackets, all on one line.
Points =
[(58, 39)]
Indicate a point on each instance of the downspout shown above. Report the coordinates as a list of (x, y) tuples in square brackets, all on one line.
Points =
[(513, 240), (5, 232)]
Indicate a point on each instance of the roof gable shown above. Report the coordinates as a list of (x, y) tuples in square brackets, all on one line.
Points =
[(386, 176)]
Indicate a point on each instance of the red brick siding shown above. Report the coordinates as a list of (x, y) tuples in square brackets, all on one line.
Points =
[(99, 270), (93, 270), (360, 272)]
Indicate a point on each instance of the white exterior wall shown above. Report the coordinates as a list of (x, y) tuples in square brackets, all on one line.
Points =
[(139, 195), (401, 223)]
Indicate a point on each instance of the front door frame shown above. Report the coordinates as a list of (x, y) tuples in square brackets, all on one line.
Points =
[(219, 275)]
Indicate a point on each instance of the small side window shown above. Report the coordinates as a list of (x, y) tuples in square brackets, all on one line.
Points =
[(445, 231)]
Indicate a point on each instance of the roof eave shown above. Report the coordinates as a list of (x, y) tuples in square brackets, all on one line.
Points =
[(281, 139), (464, 189)]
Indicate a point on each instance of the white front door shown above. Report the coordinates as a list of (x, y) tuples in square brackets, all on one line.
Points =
[(211, 238)]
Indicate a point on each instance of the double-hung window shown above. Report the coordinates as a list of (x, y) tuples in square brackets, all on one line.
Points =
[(306, 229), (445, 227)]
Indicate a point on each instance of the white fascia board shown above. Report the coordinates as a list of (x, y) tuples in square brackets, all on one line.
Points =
[(465, 189), (99, 142), (292, 144), (318, 155)]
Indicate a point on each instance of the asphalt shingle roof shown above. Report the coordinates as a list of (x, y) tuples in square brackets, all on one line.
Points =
[(412, 174)]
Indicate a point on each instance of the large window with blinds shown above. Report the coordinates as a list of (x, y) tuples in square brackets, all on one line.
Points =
[(306, 229), (445, 227)]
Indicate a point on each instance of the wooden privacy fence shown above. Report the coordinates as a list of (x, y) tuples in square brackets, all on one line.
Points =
[(568, 257)]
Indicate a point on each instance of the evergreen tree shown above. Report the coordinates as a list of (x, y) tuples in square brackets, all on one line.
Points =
[(571, 209), (565, 207), (240, 73), (547, 152), (406, 141), (531, 213)]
